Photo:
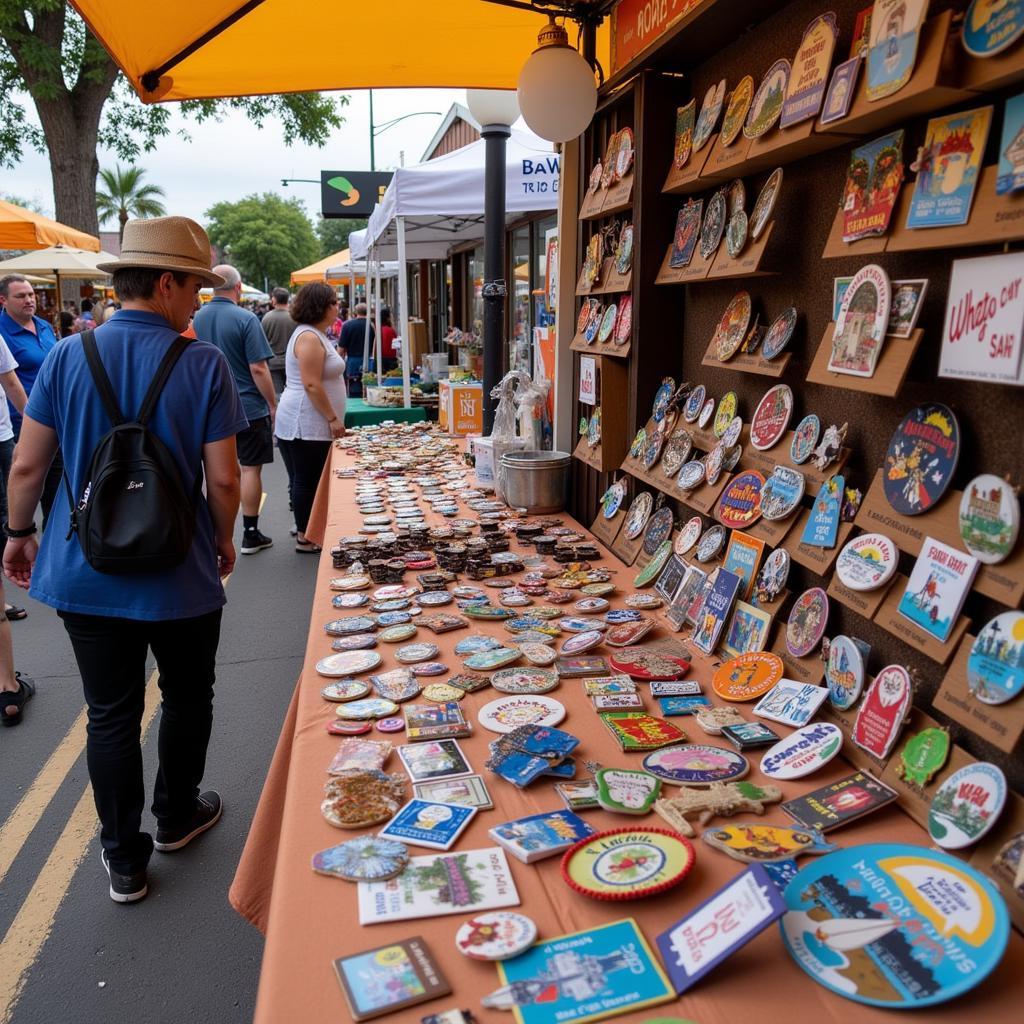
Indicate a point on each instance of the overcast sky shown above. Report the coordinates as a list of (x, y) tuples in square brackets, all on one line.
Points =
[(232, 159)]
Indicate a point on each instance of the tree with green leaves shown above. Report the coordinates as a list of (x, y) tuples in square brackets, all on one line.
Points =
[(83, 102), (333, 232), (124, 196), (265, 237)]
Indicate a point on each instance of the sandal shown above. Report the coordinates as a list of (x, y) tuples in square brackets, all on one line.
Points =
[(26, 691), (307, 547), (14, 613)]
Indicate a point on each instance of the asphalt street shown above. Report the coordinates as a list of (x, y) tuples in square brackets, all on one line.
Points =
[(67, 952)]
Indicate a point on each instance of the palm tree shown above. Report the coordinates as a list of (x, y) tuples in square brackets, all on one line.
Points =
[(126, 196)]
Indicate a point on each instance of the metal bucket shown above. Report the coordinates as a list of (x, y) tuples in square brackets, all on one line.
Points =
[(536, 480)]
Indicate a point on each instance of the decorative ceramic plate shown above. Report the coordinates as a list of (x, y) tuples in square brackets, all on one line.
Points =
[(573, 624), (652, 450), (624, 321), (496, 935), (711, 543), (580, 642), (538, 654), (708, 117), (705, 413), (604, 332), (748, 676), (805, 439), (696, 764), (677, 451), (349, 600), (779, 333), (586, 311), (694, 403), (628, 633), (638, 514), (650, 572), (732, 432), (353, 624), (356, 581), (486, 661), (344, 690), (645, 601), (393, 618), (691, 475), (371, 707), (844, 672), (740, 503), (592, 605), (731, 330), (807, 621), (396, 634), (355, 642), (921, 458), (594, 429), (867, 562), (688, 535), (348, 663), (612, 499), (434, 599), (641, 663), (509, 713), (638, 443), (429, 668), (395, 592), (487, 611), (358, 799), (627, 863), (663, 398), (736, 233), (771, 417), (624, 251), (524, 680), (713, 228), (594, 590), (658, 530), (765, 203), (782, 493), (476, 645), (736, 111), (364, 859)]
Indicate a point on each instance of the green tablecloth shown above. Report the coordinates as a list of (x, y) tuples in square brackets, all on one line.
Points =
[(359, 414)]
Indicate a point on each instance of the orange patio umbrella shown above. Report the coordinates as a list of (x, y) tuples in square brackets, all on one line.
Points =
[(24, 229)]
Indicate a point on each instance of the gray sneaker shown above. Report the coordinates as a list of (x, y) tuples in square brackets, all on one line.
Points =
[(124, 888), (209, 808)]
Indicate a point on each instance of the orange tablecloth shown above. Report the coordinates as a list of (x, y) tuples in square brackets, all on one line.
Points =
[(309, 919)]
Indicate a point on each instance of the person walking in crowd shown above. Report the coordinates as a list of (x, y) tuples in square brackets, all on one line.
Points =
[(278, 326), (389, 348), (30, 338), (312, 410), (114, 619), (65, 323), (88, 320), (351, 343), (15, 394), (237, 333)]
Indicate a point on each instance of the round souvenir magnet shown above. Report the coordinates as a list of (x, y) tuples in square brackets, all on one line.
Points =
[(694, 403), (921, 458), (989, 518), (779, 333), (370, 707), (348, 663), (638, 514), (337, 727), (624, 321), (782, 493), (802, 752), (658, 530), (690, 475), (650, 572), (705, 413), (396, 634), (807, 621), (991, 28), (429, 668), (713, 228), (580, 642), (747, 676), (967, 805), (476, 644), (612, 499), (696, 764), (725, 413), (732, 432), (713, 463), (826, 935), (736, 111), (711, 543), (771, 417), (844, 672), (365, 859), (352, 624), (434, 599), (740, 503), (442, 693), (805, 439), (509, 713), (497, 935), (349, 600), (729, 335), (867, 562), (391, 724), (637, 445), (995, 667), (766, 106), (604, 332), (524, 680), (411, 653), (736, 233), (344, 689), (355, 642), (624, 251), (688, 535), (627, 863), (765, 203)]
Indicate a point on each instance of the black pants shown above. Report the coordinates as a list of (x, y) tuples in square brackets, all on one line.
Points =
[(304, 461), (6, 458), (111, 655)]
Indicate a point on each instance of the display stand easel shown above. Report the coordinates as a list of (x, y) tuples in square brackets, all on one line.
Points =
[(747, 263), (818, 560), (598, 348), (606, 530), (864, 602), (681, 181), (696, 270), (890, 370), (889, 618), (725, 162), (810, 669), (627, 549), (784, 145)]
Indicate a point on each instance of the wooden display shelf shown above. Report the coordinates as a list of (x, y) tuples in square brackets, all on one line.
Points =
[(999, 724), (704, 499), (590, 455), (696, 270), (590, 209), (627, 549), (890, 369), (864, 602), (935, 83), (1003, 582), (746, 264), (725, 162), (835, 247), (778, 455), (994, 220), (809, 669), (987, 74), (619, 197), (889, 618), (688, 178), (772, 531), (784, 145), (818, 560), (609, 281), (752, 362), (597, 348), (606, 530), (703, 438)]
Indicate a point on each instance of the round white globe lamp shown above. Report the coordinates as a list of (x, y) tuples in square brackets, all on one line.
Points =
[(493, 106)]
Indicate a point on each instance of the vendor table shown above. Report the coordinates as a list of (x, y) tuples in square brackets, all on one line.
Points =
[(359, 414), (309, 919)]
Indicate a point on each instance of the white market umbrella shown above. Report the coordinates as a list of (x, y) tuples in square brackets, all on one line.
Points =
[(59, 261)]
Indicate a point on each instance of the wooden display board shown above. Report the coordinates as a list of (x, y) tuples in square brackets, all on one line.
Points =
[(810, 669), (890, 370), (724, 162), (889, 618), (696, 270), (608, 282), (864, 602), (784, 145), (688, 178), (606, 530), (818, 560), (746, 263)]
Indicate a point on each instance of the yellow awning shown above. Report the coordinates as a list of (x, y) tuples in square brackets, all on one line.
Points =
[(409, 44), (316, 271), (23, 229)]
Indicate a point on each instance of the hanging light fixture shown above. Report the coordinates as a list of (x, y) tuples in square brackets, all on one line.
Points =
[(557, 91)]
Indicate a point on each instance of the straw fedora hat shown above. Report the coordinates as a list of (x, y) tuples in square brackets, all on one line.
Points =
[(166, 243)]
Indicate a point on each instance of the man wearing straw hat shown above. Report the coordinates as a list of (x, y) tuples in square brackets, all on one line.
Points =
[(113, 619)]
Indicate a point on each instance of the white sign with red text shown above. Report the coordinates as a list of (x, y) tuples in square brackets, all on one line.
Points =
[(588, 380)]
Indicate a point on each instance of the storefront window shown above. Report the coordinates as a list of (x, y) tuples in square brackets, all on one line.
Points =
[(521, 328), (476, 292)]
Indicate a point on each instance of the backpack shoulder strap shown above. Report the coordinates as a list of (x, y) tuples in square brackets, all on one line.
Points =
[(100, 378), (164, 370)]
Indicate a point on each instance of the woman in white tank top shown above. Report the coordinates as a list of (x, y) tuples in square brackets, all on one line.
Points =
[(311, 412)]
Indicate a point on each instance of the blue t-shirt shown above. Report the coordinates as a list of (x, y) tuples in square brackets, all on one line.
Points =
[(199, 405), (237, 333), (29, 350)]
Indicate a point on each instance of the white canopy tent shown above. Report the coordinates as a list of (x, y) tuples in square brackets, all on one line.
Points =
[(430, 207)]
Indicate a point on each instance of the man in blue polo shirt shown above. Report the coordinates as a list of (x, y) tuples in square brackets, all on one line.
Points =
[(29, 337), (238, 334)]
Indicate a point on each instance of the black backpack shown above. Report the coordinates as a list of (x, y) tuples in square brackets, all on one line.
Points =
[(135, 513)]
